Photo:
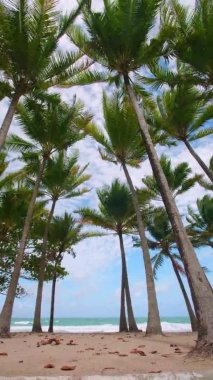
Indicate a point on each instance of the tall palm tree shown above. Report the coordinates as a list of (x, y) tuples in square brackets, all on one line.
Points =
[(14, 201), (50, 125), (116, 214), (30, 58), (62, 180), (160, 230), (187, 125), (64, 234), (158, 225), (118, 38), (178, 178), (200, 226), (189, 37), (121, 144)]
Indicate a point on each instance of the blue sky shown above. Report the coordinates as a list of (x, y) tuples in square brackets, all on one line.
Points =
[(93, 285)]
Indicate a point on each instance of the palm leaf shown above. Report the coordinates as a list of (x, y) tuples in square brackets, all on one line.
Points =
[(18, 144), (157, 262)]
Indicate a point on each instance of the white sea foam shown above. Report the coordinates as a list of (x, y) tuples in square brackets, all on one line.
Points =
[(108, 328), (22, 323)]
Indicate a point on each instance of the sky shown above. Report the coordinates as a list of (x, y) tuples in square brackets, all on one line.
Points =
[(92, 288)]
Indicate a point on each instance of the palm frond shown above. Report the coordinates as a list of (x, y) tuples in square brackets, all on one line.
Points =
[(157, 262), (203, 133), (18, 144), (91, 216), (85, 78), (67, 20)]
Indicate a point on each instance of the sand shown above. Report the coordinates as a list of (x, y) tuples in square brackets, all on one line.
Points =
[(98, 354)]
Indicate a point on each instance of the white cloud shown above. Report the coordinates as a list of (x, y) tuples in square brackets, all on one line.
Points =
[(94, 255)]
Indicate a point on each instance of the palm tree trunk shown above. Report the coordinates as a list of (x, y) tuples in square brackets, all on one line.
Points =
[(6, 314), (192, 316), (153, 323), (205, 168), (200, 287), (52, 303), (123, 322), (8, 118), (131, 318), (37, 313)]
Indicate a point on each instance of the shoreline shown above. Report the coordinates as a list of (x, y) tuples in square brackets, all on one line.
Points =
[(94, 325), (110, 354)]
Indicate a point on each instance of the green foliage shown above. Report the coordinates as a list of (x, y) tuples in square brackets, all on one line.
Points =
[(115, 209), (29, 37), (121, 140), (13, 206), (63, 177), (207, 184), (49, 125), (182, 113), (64, 234), (109, 39), (124, 143), (179, 180), (14, 202), (31, 267), (189, 38), (8, 245), (200, 226), (118, 37), (161, 239), (163, 74), (3, 163)]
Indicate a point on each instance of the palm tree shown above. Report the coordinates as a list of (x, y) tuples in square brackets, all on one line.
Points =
[(118, 38), (189, 37), (160, 230), (50, 125), (62, 180), (189, 124), (121, 144), (64, 234), (200, 226), (29, 55), (116, 214), (179, 180), (14, 201)]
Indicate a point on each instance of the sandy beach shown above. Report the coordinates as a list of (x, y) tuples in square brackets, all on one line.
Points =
[(27, 354)]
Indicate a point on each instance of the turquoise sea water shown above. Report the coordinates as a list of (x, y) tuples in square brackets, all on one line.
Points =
[(173, 324), (92, 321)]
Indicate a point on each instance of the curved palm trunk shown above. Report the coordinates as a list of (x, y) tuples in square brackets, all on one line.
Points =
[(37, 313), (6, 314), (131, 318), (205, 168), (8, 118), (153, 322), (200, 287), (52, 307), (192, 316)]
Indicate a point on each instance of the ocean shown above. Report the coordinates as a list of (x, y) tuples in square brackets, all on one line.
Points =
[(101, 325)]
